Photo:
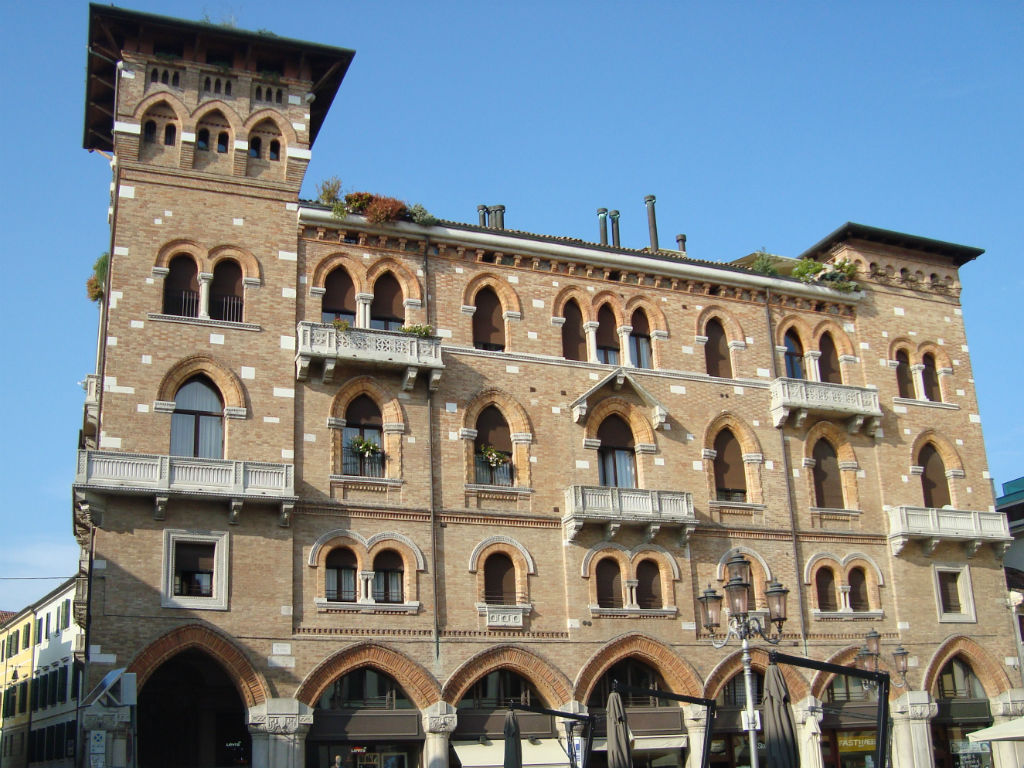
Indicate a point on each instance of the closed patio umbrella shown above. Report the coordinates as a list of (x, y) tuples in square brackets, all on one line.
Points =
[(779, 732), (513, 745), (620, 755)]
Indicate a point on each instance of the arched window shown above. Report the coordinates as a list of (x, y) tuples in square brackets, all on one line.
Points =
[(149, 132), (227, 87), (499, 580), (206, 85), (858, 590), (632, 673), (497, 690), (648, 585), (386, 310), (609, 583), (175, 79), (388, 577), (216, 85), (340, 576), (339, 300), (492, 448), (730, 475), (488, 326), (255, 147), (607, 337), (181, 287), (716, 350), (170, 134), (828, 363), (275, 150), (958, 681), (279, 96), (574, 343), (365, 688), (904, 377), (226, 294), (154, 76), (828, 484), (734, 693), (197, 424), (165, 77), (825, 586), (930, 377), (934, 485), (846, 688), (794, 356), (222, 142), (203, 140), (617, 455), (259, 93), (361, 439), (640, 340)]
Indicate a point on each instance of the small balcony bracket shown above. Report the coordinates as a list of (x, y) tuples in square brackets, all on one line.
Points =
[(234, 511), (160, 507)]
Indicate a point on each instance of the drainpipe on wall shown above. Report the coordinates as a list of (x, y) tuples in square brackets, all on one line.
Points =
[(430, 451)]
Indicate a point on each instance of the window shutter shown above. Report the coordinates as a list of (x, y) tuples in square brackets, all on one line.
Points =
[(716, 350), (828, 485), (574, 343), (934, 485), (828, 363)]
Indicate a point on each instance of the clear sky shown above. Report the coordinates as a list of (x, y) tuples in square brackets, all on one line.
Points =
[(754, 124)]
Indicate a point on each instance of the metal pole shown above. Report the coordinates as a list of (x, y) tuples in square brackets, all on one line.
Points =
[(748, 684)]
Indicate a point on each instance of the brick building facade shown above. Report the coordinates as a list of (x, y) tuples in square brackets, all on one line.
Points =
[(313, 535)]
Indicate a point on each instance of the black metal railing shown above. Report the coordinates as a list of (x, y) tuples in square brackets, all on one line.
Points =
[(355, 463), (181, 303), (341, 595), (226, 307), (487, 474)]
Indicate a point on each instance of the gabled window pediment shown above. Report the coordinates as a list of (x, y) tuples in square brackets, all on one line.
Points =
[(616, 380)]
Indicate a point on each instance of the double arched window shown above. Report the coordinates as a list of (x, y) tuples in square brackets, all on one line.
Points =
[(340, 575), (609, 583), (181, 287), (828, 363), (197, 424), (794, 355), (226, 292), (607, 336), (388, 577), (640, 341), (339, 300)]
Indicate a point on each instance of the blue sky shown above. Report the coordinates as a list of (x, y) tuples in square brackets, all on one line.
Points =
[(754, 124)]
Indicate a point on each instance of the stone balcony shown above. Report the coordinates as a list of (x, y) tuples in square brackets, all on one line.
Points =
[(91, 412), (112, 472), (368, 346), (615, 507), (858, 405), (933, 526)]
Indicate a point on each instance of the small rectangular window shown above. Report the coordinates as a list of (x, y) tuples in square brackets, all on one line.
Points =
[(954, 594), (195, 570), (949, 591)]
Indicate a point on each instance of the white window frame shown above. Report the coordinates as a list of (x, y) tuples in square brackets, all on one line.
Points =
[(219, 600), (964, 587)]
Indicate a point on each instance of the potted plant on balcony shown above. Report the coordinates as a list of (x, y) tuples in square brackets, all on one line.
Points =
[(340, 325), (493, 456), (362, 446), (423, 331)]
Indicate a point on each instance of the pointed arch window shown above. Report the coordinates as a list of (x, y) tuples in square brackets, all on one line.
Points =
[(149, 132), (825, 586), (365, 688), (203, 140), (339, 300), (617, 454), (794, 355), (828, 484), (930, 378), (387, 312), (574, 342), (275, 150), (498, 689), (858, 590), (488, 325), (828, 363), (640, 340), (361, 439), (716, 350), (341, 575), (181, 287), (492, 448), (226, 292), (730, 474), (607, 338), (499, 580), (648, 585), (222, 142), (958, 681), (609, 583), (255, 147), (934, 485), (734, 692), (634, 674), (170, 134), (904, 377), (197, 424), (388, 577)]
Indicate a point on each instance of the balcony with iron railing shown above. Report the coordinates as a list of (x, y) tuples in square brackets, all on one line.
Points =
[(933, 526), (798, 397), (369, 346), (614, 507)]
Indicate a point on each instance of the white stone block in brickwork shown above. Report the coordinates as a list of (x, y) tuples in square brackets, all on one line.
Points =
[(898, 311), (287, 293), (247, 372), (582, 464), (142, 408), (677, 389), (120, 250), (555, 409), (111, 341), (115, 296), (138, 324), (299, 127), (687, 350), (531, 334), (271, 420), (286, 610), (513, 278), (309, 437), (410, 439), (511, 369), (538, 303), (291, 206), (912, 333), (238, 222), (659, 462), (126, 192), (698, 466), (796, 472), (959, 441), (594, 377), (963, 347), (150, 281), (459, 270), (216, 338), (451, 407), (147, 359), (287, 453), (287, 255), (284, 392), (738, 390), (899, 409), (756, 423), (110, 442), (865, 345), (298, 152), (985, 474), (533, 459), (288, 342), (769, 465), (974, 418), (287, 662), (158, 221), (453, 435), (960, 393), (958, 312), (443, 333)]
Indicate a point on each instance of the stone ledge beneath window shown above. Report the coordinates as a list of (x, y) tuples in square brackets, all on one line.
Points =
[(835, 518), (378, 490), (957, 618), (846, 615), (156, 316), (323, 605), (597, 611), (925, 403), (731, 511), (498, 497)]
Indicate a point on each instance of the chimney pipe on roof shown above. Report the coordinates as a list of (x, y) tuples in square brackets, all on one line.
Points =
[(681, 242), (481, 211), (614, 216), (602, 218), (652, 224), (498, 216)]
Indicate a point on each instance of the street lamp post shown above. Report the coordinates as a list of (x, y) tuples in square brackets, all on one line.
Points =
[(867, 660), (744, 627)]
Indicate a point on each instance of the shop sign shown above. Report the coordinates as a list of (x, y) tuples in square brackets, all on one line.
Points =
[(964, 747), (856, 741)]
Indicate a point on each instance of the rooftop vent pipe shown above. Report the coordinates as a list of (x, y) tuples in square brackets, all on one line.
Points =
[(652, 223), (614, 216), (681, 242), (602, 218), (481, 211), (497, 216)]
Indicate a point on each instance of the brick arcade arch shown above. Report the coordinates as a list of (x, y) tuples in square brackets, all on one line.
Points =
[(990, 674), (418, 684), (550, 683), (847, 658), (679, 675), (251, 684), (732, 665)]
